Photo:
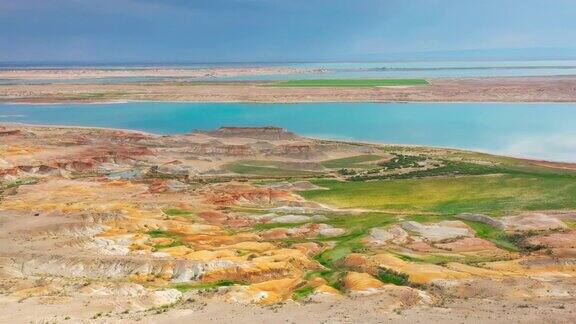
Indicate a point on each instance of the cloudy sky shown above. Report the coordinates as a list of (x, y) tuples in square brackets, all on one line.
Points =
[(283, 30)]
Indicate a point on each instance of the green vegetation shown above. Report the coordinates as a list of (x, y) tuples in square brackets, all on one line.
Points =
[(177, 212), (344, 247), (16, 184), (269, 169), (429, 218), (494, 235), (331, 276), (267, 226), (176, 239), (184, 287), (159, 233), (356, 227), (402, 161), (352, 162), (94, 95), (361, 222), (492, 194), (393, 277), (351, 83), (450, 168), (439, 259), (510, 242), (571, 223), (250, 210), (302, 292)]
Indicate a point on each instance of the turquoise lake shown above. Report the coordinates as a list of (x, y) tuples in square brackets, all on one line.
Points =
[(543, 131)]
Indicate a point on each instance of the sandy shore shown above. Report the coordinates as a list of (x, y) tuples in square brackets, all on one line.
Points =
[(517, 89), (71, 74)]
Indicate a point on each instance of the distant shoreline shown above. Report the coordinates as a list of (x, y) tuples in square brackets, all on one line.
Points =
[(556, 89)]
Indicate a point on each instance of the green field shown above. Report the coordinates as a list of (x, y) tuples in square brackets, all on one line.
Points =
[(351, 83), (360, 161), (273, 169), (177, 212), (497, 236), (492, 194)]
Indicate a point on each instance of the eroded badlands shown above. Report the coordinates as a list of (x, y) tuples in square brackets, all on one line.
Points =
[(256, 223)]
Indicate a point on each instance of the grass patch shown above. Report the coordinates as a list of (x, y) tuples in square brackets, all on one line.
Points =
[(269, 169), (351, 83), (402, 161), (17, 183), (494, 235), (176, 239), (450, 168), (250, 210), (392, 277), (494, 194), (184, 287), (331, 276), (93, 95), (430, 258), (361, 222), (177, 212), (302, 292), (160, 233), (429, 218), (329, 257), (352, 162), (356, 227), (267, 226), (571, 223)]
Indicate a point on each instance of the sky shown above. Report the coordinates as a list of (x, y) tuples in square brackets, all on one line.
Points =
[(284, 30)]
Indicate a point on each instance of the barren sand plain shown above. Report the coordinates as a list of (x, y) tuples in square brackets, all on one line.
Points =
[(83, 73), (509, 89)]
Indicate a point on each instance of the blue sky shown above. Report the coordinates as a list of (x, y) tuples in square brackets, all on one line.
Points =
[(283, 30)]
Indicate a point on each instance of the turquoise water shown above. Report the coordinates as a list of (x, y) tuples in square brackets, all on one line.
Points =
[(436, 69), (544, 131)]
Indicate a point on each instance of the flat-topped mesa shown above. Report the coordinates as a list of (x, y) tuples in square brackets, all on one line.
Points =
[(265, 133)]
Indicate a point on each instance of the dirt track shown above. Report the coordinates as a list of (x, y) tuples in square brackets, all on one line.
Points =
[(525, 89)]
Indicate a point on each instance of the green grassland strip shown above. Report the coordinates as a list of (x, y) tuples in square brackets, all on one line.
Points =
[(492, 194), (351, 83), (495, 235), (351, 162), (177, 212), (184, 287), (271, 169)]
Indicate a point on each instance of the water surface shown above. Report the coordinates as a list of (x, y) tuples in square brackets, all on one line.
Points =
[(544, 131)]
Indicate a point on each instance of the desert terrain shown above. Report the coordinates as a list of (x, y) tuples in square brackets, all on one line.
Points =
[(83, 73), (261, 224), (501, 89)]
